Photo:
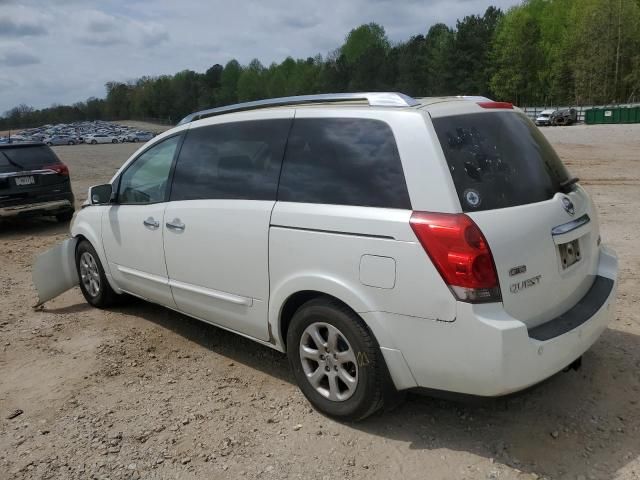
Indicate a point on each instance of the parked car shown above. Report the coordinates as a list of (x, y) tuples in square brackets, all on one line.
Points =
[(100, 138), (381, 241), (567, 116), (139, 137), (544, 119), (60, 140), (33, 181)]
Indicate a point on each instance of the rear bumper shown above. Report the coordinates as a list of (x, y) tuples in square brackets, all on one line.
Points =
[(49, 207), (489, 353)]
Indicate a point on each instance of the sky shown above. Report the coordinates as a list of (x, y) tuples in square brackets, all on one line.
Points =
[(64, 51)]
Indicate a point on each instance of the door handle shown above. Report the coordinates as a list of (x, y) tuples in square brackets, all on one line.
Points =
[(175, 224), (151, 222)]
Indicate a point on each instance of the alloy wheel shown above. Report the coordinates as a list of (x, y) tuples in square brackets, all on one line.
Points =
[(328, 361), (90, 274)]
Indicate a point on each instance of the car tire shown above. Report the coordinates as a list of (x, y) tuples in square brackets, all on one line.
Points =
[(115, 140), (353, 355), (65, 216), (71, 143), (135, 140), (93, 281), (93, 142), (49, 144)]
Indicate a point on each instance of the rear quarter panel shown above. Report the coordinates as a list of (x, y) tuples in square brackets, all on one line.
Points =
[(321, 247)]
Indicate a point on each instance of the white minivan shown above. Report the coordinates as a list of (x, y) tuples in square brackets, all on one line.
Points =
[(381, 241)]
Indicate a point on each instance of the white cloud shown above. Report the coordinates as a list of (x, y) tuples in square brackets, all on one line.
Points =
[(16, 54), (68, 49), (18, 21)]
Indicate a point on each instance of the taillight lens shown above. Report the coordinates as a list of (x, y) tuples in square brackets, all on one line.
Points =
[(461, 254), (59, 168)]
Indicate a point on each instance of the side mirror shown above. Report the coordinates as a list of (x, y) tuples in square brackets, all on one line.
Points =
[(100, 194)]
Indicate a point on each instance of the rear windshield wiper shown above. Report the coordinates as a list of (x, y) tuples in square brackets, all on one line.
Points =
[(566, 185), (15, 164)]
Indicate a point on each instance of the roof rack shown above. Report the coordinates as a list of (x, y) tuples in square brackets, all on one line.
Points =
[(375, 99)]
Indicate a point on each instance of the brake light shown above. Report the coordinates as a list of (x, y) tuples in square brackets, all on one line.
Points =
[(59, 168), (496, 105), (460, 253)]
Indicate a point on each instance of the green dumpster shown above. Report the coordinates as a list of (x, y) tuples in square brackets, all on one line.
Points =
[(612, 115)]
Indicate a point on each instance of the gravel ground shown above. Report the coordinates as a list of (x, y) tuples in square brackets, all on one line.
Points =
[(142, 392)]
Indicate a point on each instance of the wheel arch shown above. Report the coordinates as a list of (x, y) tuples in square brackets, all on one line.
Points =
[(85, 229), (284, 302)]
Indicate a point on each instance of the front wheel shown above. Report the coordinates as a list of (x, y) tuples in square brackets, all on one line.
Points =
[(93, 281), (115, 140), (335, 360), (93, 142)]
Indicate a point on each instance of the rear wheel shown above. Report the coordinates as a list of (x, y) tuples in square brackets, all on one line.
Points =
[(115, 140), (93, 142), (93, 281), (71, 142), (335, 360), (135, 140)]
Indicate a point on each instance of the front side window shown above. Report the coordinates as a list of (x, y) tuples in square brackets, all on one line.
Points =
[(145, 181), (343, 161), (239, 160)]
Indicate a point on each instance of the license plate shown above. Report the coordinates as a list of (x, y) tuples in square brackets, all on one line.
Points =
[(569, 253), (26, 180)]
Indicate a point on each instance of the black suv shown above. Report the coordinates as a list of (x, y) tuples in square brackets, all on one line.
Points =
[(33, 181)]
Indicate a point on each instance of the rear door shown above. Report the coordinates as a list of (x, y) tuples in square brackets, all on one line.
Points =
[(542, 231), (132, 229), (217, 224)]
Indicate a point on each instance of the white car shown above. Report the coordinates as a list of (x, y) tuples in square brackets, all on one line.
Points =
[(544, 119), (378, 240), (100, 138)]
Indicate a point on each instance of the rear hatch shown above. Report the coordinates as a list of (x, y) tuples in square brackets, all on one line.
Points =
[(540, 225), (30, 170)]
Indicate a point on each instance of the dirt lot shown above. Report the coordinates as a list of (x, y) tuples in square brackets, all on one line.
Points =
[(142, 392)]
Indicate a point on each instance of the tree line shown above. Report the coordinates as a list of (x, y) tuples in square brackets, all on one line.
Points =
[(542, 52)]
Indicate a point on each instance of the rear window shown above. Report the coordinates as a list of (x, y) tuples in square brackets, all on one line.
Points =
[(26, 158), (498, 160)]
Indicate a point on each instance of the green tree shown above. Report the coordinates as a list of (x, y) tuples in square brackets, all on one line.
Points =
[(439, 51), (472, 52), (229, 83)]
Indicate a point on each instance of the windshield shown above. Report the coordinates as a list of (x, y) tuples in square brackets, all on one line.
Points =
[(498, 160), (26, 158)]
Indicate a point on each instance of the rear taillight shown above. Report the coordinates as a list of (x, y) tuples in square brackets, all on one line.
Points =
[(461, 254), (59, 168)]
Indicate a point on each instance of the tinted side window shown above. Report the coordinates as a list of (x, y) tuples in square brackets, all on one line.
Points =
[(145, 181), (343, 161), (239, 160)]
